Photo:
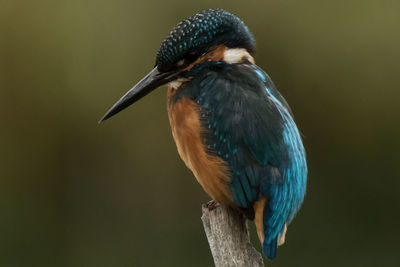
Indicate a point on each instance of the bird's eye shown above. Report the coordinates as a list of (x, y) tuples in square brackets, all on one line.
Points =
[(191, 56)]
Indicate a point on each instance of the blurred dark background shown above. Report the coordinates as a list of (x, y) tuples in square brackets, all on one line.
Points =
[(75, 193)]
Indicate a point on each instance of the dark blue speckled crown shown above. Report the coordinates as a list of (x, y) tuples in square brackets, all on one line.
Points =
[(203, 30)]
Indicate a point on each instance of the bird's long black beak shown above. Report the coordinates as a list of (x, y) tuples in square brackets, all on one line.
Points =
[(151, 81)]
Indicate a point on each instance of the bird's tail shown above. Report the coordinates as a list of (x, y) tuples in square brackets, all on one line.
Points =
[(265, 232), (269, 249), (272, 233)]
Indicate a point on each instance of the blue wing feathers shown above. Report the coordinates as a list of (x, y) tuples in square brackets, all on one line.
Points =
[(250, 125)]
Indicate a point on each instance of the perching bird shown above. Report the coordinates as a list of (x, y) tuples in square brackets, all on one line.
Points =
[(232, 128)]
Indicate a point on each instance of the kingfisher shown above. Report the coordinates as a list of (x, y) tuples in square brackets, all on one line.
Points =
[(232, 127)]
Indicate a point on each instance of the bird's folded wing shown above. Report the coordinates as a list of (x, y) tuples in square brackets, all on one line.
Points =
[(243, 127)]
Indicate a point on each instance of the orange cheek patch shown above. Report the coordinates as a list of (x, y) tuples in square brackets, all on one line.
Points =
[(216, 54)]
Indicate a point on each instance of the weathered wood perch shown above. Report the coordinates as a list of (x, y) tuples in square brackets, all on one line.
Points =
[(229, 238)]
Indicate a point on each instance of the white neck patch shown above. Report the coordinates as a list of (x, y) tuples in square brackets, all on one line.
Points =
[(237, 55), (177, 83)]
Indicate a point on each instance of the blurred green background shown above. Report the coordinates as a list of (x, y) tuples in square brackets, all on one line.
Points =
[(75, 193)]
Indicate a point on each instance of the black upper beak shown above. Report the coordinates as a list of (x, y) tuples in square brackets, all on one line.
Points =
[(151, 81)]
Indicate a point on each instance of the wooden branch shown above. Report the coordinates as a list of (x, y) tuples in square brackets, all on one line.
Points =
[(229, 239)]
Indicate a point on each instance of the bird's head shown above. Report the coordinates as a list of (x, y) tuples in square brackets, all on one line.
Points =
[(211, 35)]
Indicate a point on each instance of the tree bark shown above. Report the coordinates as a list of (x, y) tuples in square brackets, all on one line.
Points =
[(229, 239)]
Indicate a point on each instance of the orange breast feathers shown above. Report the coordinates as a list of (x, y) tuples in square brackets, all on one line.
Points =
[(210, 171)]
